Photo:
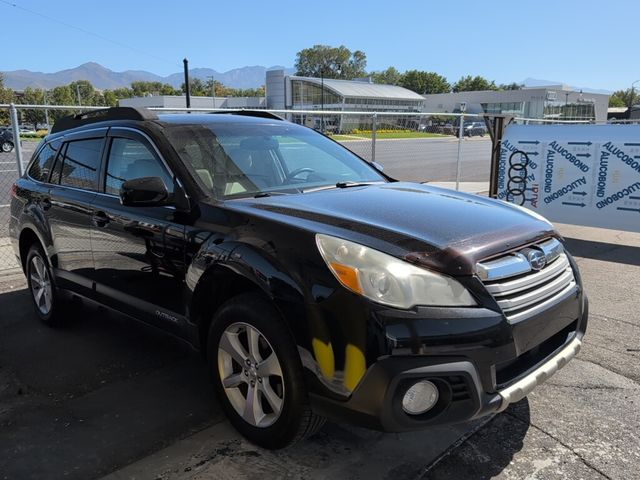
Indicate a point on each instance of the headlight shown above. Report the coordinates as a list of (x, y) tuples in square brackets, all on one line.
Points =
[(387, 280)]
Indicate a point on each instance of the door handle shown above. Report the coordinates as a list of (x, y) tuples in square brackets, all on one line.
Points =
[(100, 219), (45, 203)]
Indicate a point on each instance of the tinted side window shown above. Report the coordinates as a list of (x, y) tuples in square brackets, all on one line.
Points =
[(43, 163), (81, 164), (129, 159), (57, 168)]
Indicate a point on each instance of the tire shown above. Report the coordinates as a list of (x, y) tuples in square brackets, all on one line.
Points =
[(46, 301), (6, 146), (281, 415)]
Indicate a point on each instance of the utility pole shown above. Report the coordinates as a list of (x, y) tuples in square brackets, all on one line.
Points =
[(213, 89), (187, 87), (78, 94)]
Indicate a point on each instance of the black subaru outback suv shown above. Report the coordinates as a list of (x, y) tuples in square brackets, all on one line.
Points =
[(315, 285)]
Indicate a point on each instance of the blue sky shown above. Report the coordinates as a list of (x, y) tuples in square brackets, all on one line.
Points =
[(582, 43)]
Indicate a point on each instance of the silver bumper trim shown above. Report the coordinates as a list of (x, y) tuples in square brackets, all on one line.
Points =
[(525, 386)]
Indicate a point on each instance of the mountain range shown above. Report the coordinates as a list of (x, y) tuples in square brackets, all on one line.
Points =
[(102, 77)]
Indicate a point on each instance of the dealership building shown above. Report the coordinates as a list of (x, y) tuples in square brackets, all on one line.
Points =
[(556, 102), (289, 92)]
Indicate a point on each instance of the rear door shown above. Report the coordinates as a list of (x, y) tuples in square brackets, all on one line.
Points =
[(138, 251), (74, 183)]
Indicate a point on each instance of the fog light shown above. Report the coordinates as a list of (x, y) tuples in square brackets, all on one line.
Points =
[(420, 398)]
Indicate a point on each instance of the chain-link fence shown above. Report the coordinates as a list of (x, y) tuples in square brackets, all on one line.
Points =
[(9, 172), (411, 146)]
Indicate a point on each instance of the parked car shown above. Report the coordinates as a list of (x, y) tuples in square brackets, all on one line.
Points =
[(315, 285), (475, 129), (6, 140)]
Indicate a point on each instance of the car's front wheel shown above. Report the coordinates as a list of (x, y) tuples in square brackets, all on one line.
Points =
[(6, 146), (258, 375)]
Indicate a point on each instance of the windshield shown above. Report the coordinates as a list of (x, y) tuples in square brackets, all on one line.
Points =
[(243, 159)]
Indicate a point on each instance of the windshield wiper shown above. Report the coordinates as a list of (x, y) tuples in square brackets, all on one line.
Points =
[(353, 184), (340, 185), (269, 194)]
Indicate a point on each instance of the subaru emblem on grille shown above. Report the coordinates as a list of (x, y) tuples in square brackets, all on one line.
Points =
[(537, 259)]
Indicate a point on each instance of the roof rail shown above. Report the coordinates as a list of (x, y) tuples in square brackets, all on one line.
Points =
[(103, 115), (251, 113)]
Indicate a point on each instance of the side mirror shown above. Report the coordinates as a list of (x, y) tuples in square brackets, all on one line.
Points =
[(144, 192), (378, 166)]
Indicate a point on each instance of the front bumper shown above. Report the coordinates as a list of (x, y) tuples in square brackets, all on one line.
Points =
[(474, 379), (525, 386)]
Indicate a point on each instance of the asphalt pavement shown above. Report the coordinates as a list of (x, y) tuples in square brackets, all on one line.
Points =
[(106, 396), (429, 159)]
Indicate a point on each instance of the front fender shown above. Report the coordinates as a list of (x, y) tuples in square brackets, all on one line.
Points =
[(221, 269)]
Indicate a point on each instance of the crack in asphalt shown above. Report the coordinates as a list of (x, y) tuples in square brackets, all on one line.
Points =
[(580, 387), (611, 350), (615, 319), (608, 369), (454, 446), (586, 462)]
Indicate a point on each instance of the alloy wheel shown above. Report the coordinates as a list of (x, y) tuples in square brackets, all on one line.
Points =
[(41, 287), (251, 374)]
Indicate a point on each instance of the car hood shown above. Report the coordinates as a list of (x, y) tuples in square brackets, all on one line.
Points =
[(435, 227)]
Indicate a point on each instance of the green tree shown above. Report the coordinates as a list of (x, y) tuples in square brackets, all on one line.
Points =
[(616, 101), (220, 89), (425, 82), (83, 92), (141, 89), (62, 95), (6, 96), (471, 84), (510, 86), (32, 116), (332, 62), (623, 98), (198, 88), (110, 98), (390, 76)]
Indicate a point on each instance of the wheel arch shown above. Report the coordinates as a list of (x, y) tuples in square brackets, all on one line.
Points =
[(27, 238), (242, 272)]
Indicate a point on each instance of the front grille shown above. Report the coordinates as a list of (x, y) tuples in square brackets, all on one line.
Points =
[(522, 291)]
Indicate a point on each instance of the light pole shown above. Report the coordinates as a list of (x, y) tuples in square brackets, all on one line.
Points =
[(213, 89)]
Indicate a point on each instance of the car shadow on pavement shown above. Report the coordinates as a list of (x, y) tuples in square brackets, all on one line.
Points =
[(609, 252), (96, 394), (491, 449), (103, 392)]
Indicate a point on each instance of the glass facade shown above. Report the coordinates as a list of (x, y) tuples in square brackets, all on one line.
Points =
[(506, 108), (569, 111), (544, 108), (307, 95)]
